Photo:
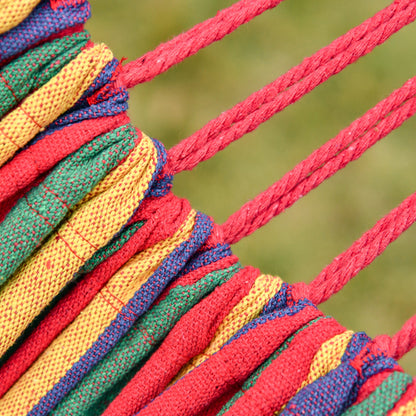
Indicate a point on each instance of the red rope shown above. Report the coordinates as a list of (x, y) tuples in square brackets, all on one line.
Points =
[(334, 155), (260, 106), (370, 245), (401, 343), (186, 44)]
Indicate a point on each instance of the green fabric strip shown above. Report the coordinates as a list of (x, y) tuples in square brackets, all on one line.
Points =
[(99, 408), (98, 257), (112, 247), (383, 398), (38, 213), (251, 381), (142, 339), (36, 68)]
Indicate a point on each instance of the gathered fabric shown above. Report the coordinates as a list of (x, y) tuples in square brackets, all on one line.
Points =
[(117, 298)]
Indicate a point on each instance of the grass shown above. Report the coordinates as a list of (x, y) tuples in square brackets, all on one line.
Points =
[(300, 242)]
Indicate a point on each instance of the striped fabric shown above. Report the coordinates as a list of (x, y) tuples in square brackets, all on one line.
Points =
[(139, 342), (39, 212), (89, 228), (36, 68), (54, 98), (43, 23), (116, 297)]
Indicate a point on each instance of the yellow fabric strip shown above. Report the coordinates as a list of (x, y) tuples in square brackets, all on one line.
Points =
[(77, 338), (408, 409), (249, 308), (89, 228), (13, 12), (58, 95), (326, 359)]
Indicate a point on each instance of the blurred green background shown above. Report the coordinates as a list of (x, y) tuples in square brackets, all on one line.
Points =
[(300, 242)]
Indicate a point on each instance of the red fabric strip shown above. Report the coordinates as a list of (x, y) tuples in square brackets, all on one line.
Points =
[(227, 368), (280, 381), (170, 210), (190, 336), (37, 159)]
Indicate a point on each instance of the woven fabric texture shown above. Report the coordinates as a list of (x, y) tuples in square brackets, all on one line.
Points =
[(265, 287), (72, 344), (93, 223), (43, 23), (54, 98), (384, 398), (27, 166), (139, 342), (117, 298), (12, 13), (36, 68), (250, 382), (43, 208)]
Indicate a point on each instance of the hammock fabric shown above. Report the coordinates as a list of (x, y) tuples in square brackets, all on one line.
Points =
[(116, 297)]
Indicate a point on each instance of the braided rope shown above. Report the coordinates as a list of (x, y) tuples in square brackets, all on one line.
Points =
[(290, 87), (334, 155), (370, 245), (186, 44), (131, 269)]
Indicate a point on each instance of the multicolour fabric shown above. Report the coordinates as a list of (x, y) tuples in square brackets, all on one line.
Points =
[(21, 173), (54, 98), (264, 288), (102, 99), (407, 409), (36, 215), (133, 309), (251, 381), (335, 392), (383, 398), (139, 342), (324, 360), (40, 25), (36, 68), (195, 330), (111, 302), (247, 348), (112, 247), (89, 228), (116, 297)]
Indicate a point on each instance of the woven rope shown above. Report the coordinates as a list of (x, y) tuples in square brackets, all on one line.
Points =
[(118, 298)]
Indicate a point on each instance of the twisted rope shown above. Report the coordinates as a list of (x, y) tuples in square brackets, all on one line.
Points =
[(370, 245), (400, 343), (186, 44), (324, 162), (260, 106)]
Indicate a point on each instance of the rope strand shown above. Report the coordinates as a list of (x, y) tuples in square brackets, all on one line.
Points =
[(402, 342), (370, 245), (186, 44), (260, 106), (347, 146)]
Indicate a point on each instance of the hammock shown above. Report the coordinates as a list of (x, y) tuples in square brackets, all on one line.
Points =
[(116, 296)]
